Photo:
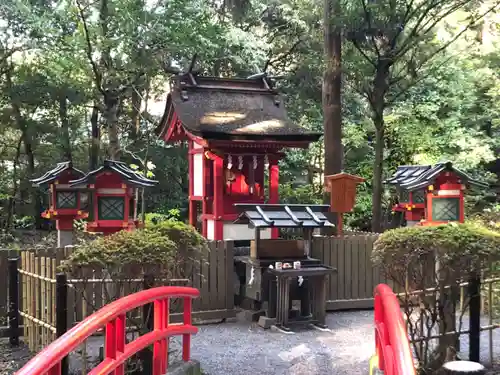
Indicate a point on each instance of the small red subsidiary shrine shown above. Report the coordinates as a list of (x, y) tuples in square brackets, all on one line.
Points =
[(236, 130), (431, 195), (112, 193), (66, 203)]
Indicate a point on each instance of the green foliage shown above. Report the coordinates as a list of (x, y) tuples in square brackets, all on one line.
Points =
[(299, 194), (446, 107), (184, 235), (124, 248), (489, 217), (24, 222), (463, 248), (153, 218), (163, 245)]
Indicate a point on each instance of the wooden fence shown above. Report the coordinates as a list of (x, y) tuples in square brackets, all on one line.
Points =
[(89, 289), (351, 287)]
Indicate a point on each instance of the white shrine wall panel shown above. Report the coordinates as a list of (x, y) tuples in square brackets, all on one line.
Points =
[(210, 230), (197, 180), (242, 232), (196, 145)]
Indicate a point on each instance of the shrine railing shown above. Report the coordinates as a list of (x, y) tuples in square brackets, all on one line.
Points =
[(393, 354), (113, 317)]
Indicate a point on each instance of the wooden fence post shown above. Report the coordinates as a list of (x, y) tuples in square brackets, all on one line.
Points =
[(475, 317), (13, 302), (62, 313), (463, 368)]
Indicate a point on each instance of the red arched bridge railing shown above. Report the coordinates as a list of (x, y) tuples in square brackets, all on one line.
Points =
[(393, 355), (117, 351)]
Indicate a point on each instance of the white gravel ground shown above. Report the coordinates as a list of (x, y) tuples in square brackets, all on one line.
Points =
[(240, 349)]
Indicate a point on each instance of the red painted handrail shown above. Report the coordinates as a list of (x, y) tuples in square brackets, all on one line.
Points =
[(391, 338), (112, 316)]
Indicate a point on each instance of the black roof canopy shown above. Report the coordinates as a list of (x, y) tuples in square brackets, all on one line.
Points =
[(56, 172), (283, 215), (131, 177), (231, 108), (415, 177)]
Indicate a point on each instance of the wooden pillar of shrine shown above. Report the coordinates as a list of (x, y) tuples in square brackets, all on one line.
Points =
[(218, 208), (274, 190), (192, 203)]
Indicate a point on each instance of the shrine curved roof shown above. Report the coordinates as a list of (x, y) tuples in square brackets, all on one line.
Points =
[(131, 177), (216, 108), (414, 177), (56, 172)]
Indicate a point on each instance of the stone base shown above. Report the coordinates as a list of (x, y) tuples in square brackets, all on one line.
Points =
[(253, 316), (185, 368), (266, 322)]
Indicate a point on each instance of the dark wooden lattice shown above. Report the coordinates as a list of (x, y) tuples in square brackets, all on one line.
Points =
[(445, 209), (418, 196), (66, 199), (111, 208)]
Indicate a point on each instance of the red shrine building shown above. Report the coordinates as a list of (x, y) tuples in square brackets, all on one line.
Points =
[(236, 130), (432, 195)]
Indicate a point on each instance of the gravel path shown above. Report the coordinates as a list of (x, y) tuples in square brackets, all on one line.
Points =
[(238, 348)]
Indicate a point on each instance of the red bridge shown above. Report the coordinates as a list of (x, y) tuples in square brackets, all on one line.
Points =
[(393, 354), (113, 317)]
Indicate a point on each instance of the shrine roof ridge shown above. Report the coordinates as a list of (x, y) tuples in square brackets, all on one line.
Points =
[(230, 108), (55, 173), (129, 175), (414, 177), (306, 216)]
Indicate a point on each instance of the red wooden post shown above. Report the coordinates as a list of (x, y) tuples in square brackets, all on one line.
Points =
[(120, 327), (158, 356), (204, 203), (274, 190), (186, 339), (110, 340), (166, 341), (218, 208)]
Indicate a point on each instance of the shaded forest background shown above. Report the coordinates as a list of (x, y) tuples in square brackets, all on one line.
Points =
[(85, 80)]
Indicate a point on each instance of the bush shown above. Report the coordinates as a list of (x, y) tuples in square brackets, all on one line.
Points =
[(463, 248), (161, 246), (435, 260), (489, 217), (184, 235), (122, 248)]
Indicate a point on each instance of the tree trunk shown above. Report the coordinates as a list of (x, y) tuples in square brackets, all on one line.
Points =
[(112, 104), (12, 198), (136, 114), (377, 188), (96, 139), (332, 86), (377, 101), (28, 151), (66, 139)]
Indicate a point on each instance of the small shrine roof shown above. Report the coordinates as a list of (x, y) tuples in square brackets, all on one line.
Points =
[(283, 215), (131, 177), (56, 173), (414, 177), (235, 108)]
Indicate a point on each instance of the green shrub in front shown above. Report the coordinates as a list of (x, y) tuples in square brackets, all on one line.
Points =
[(435, 260), (122, 248), (163, 247), (462, 248), (490, 218), (184, 235)]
